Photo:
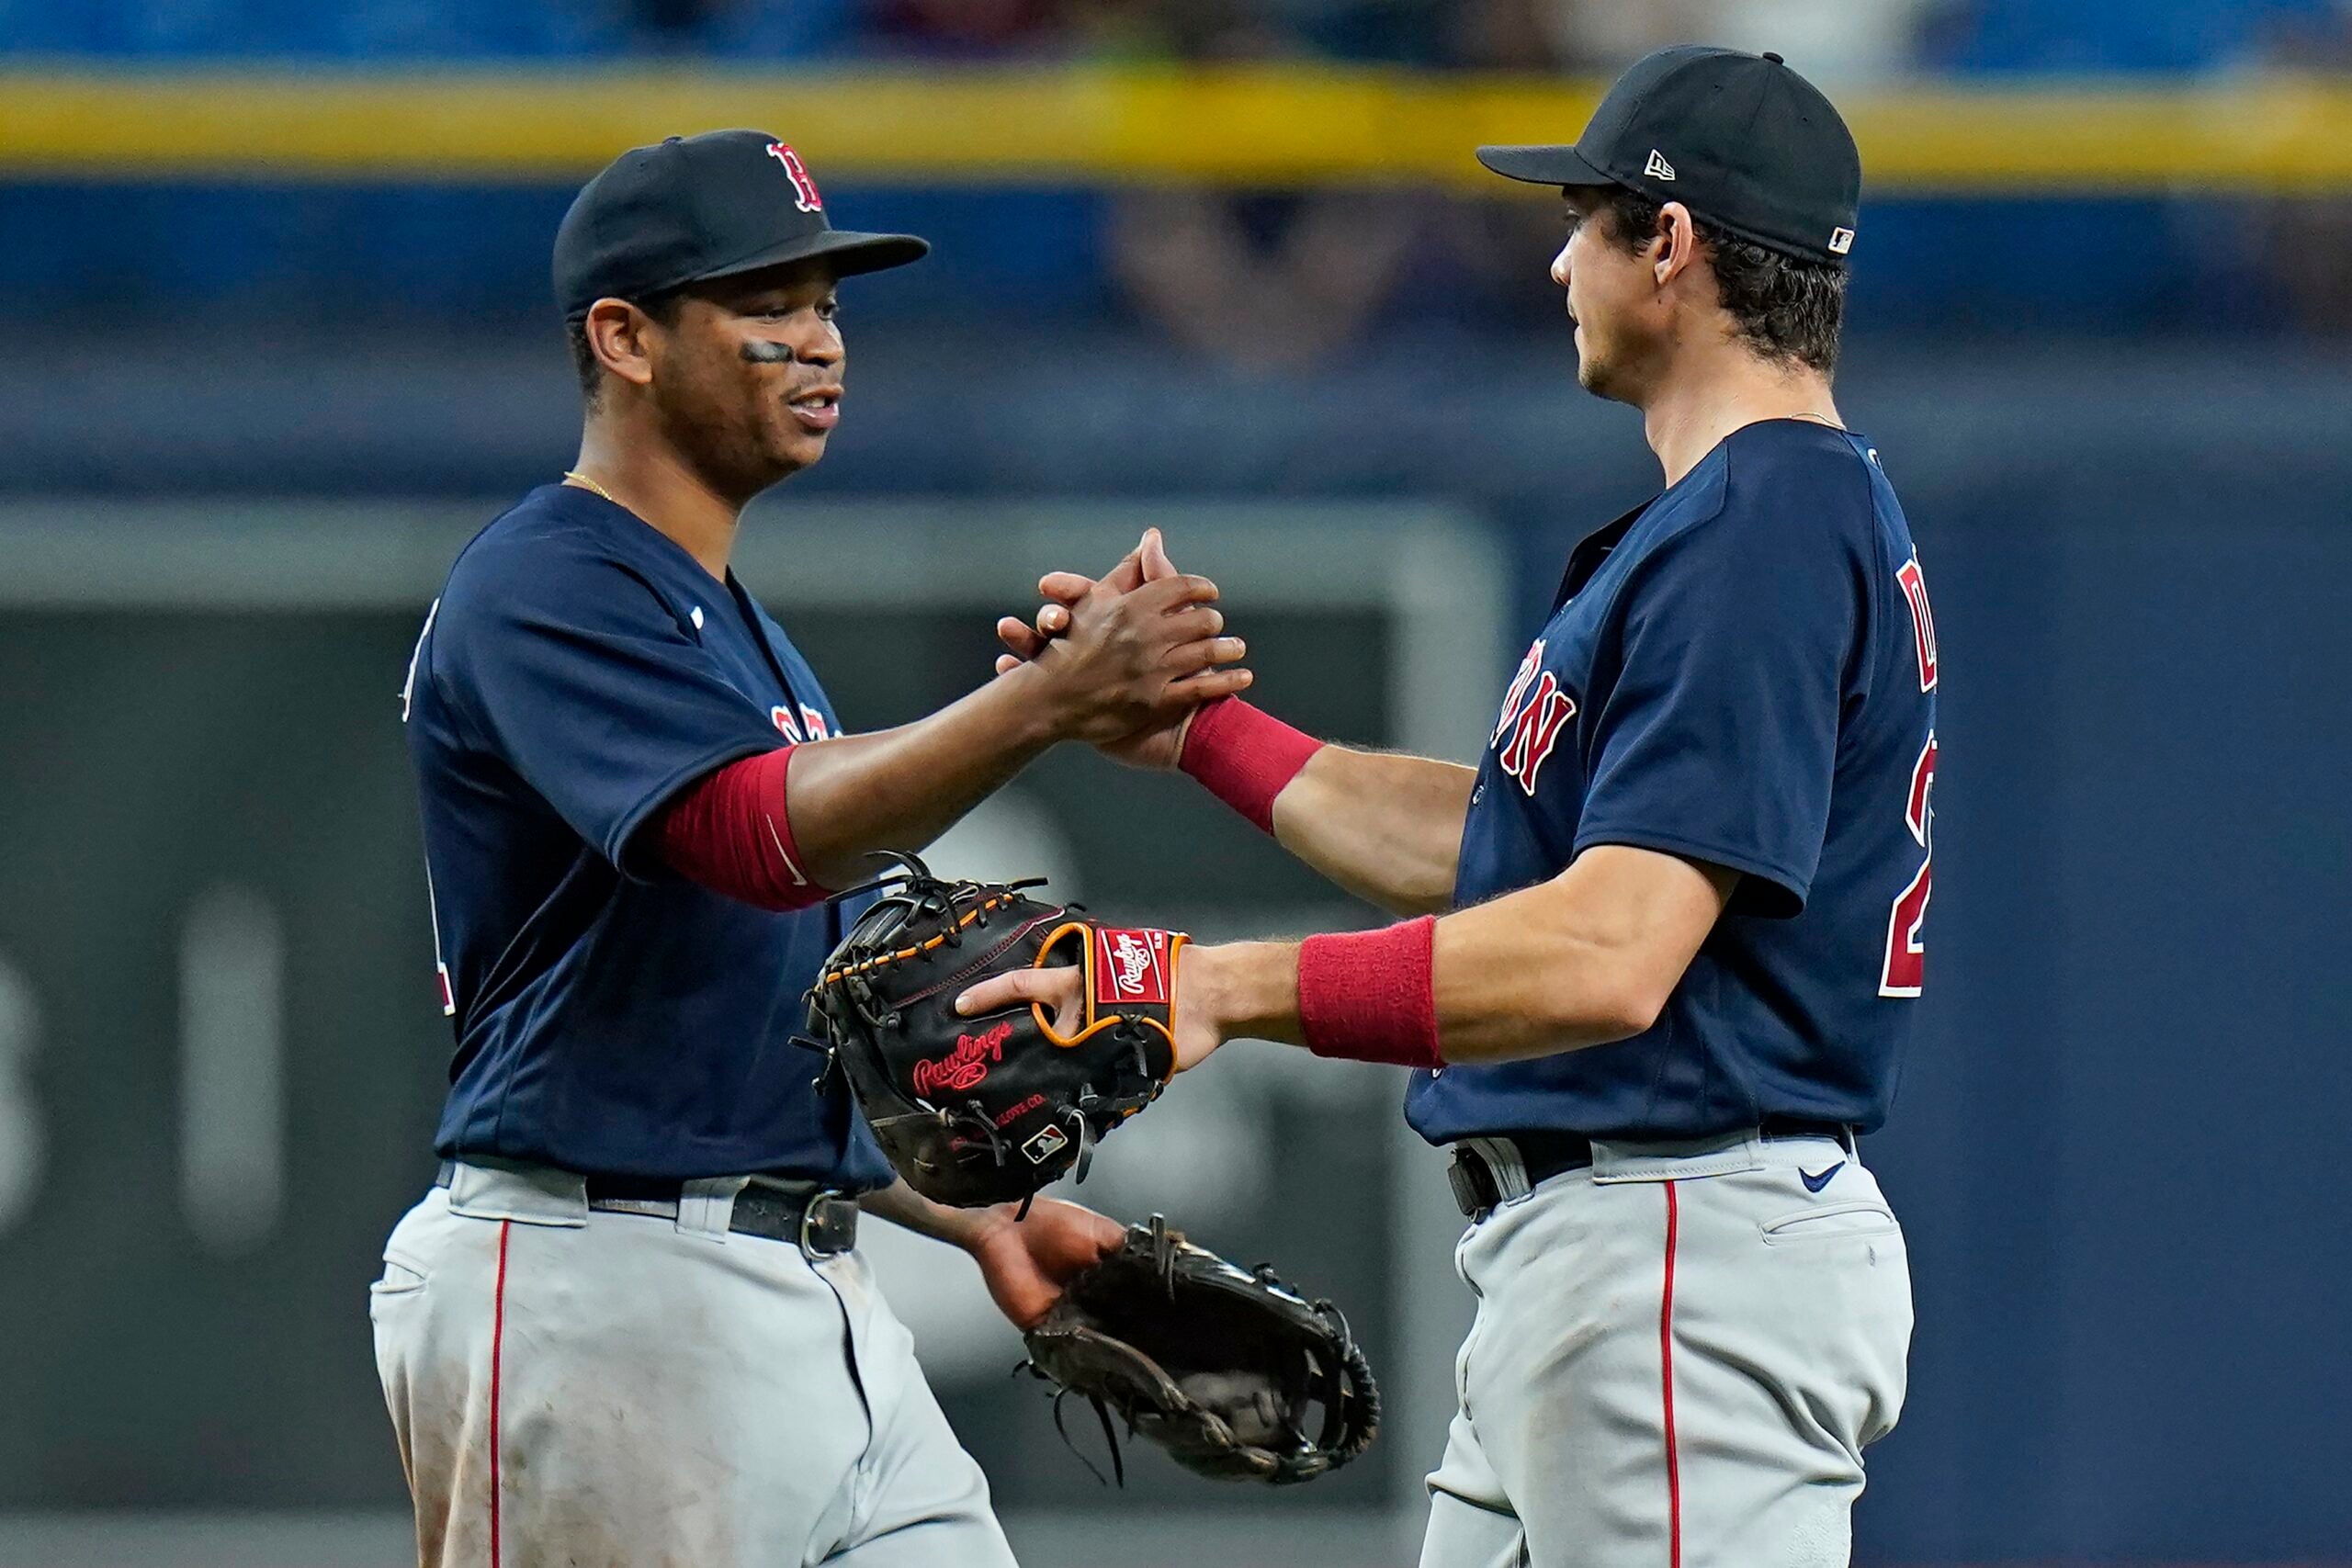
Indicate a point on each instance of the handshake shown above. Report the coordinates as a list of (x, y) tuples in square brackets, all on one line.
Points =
[(1125, 660)]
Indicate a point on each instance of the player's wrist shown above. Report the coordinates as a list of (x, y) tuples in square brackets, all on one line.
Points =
[(1173, 761), (1244, 756), (1039, 710), (1371, 996), (1238, 989), (976, 1229)]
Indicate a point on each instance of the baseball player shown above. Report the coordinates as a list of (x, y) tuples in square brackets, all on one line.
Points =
[(1670, 928), (627, 1326)]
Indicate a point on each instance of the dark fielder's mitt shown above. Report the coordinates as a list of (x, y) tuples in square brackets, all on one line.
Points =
[(1221, 1367), (988, 1110)]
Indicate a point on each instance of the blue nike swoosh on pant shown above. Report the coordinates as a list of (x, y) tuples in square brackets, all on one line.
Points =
[(1816, 1183)]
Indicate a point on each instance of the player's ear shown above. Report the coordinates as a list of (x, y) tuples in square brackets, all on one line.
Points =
[(617, 333), (1677, 244)]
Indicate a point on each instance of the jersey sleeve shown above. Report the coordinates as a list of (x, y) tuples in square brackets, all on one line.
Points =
[(578, 675), (1717, 738)]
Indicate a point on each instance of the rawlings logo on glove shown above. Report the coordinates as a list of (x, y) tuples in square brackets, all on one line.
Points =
[(965, 1065), (1133, 968), (973, 1113)]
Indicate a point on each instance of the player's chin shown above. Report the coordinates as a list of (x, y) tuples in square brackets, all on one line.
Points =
[(794, 448), (1595, 375)]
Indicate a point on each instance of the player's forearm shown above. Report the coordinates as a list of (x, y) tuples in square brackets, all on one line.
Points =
[(1587, 958), (1387, 827), (898, 789), (902, 1205), (1253, 990), (1535, 974)]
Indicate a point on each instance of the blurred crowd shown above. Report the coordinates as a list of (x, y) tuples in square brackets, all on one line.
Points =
[(1263, 281), (1839, 38)]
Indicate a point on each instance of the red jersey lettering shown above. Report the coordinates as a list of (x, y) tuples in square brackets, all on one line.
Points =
[(1535, 729), (1905, 972), (1923, 620)]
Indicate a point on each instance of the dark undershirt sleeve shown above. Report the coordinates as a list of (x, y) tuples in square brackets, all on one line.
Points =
[(730, 832)]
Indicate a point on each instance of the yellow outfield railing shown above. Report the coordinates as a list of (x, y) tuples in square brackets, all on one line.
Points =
[(1092, 126)]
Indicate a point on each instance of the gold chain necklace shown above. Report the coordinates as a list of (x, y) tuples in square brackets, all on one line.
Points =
[(590, 484)]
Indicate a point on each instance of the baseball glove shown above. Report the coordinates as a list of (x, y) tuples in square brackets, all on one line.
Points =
[(1219, 1367), (989, 1109)]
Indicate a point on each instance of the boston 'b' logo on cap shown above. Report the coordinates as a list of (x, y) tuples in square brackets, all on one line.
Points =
[(804, 189), (1658, 168)]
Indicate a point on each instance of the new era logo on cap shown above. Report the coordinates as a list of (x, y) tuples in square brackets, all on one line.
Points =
[(1759, 153)]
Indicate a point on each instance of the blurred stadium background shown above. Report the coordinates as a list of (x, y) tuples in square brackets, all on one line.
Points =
[(279, 338)]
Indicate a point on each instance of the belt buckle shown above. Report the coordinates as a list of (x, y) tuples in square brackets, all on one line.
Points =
[(822, 1234)]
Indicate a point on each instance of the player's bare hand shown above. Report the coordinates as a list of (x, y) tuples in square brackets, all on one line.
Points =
[(1027, 1262), (1060, 989), (1148, 563), (1159, 743), (1138, 658), (1024, 642)]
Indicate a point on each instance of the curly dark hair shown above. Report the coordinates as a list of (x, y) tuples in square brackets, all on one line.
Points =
[(1784, 305)]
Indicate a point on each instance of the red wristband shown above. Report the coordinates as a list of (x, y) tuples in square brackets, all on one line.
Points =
[(1244, 756), (1371, 996)]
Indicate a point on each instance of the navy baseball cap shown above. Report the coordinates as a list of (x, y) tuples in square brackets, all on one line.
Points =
[(1745, 142), (692, 207)]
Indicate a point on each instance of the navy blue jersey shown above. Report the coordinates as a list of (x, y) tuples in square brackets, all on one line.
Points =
[(579, 669), (1741, 672)]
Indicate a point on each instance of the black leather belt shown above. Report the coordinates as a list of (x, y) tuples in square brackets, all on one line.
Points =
[(817, 1219), (1546, 1155)]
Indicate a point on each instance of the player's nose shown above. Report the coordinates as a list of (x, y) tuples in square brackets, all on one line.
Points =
[(822, 347), (1560, 267)]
